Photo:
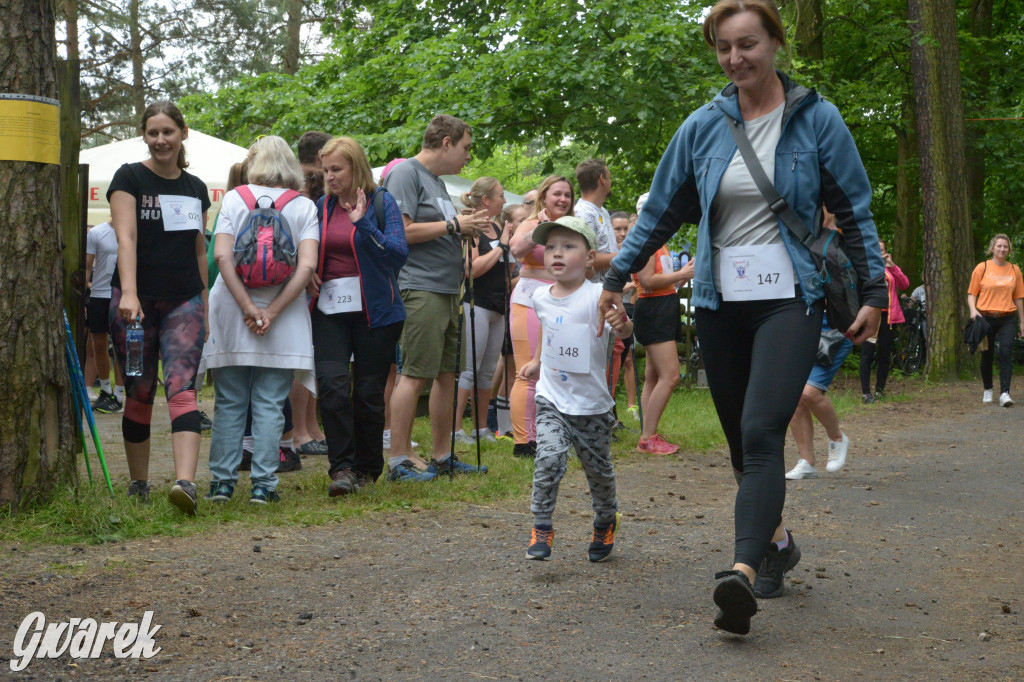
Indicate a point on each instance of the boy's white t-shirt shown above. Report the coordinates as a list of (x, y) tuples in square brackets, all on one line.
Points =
[(574, 393)]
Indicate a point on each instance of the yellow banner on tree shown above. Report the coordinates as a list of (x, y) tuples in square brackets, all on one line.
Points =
[(29, 129)]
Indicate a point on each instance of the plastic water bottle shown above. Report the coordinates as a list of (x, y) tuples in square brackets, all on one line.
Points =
[(677, 264), (134, 339)]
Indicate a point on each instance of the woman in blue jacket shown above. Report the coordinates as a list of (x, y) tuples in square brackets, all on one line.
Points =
[(357, 313), (758, 301)]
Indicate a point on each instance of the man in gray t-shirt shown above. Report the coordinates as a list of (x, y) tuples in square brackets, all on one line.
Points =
[(429, 284)]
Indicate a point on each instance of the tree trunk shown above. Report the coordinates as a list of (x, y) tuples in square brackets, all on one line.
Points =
[(906, 248), (290, 62), (37, 444), (935, 62), (71, 21), (138, 74), (808, 38), (981, 27)]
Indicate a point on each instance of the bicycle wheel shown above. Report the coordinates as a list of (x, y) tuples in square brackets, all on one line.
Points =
[(913, 351)]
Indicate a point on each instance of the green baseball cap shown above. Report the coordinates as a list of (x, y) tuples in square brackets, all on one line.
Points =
[(540, 233)]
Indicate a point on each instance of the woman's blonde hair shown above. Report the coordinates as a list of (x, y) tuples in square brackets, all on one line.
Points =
[(542, 193), (766, 9), (992, 243), (352, 152), (272, 164), (482, 187)]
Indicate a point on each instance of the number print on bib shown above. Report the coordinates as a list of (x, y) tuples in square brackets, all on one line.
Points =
[(567, 348), (756, 273)]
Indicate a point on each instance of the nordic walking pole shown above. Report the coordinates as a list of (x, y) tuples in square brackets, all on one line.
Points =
[(636, 382), (458, 357), (472, 343), (85, 401), (78, 410)]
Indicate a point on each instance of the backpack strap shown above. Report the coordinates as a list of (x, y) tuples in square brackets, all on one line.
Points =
[(247, 196), (285, 197)]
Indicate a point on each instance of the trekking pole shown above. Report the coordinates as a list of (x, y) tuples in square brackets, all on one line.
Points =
[(458, 357), (636, 383), (84, 394), (472, 344), (78, 410), (507, 324)]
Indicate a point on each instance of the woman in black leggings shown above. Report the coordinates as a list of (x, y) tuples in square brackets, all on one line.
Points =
[(758, 301)]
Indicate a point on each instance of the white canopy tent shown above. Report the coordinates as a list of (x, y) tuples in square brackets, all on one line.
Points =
[(209, 159)]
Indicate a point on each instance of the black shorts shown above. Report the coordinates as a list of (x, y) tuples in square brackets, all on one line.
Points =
[(97, 315), (657, 319)]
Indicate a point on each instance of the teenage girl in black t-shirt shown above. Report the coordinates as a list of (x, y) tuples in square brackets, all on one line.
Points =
[(159, 215)]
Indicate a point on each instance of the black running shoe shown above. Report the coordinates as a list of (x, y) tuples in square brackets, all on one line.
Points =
[(205, 423), (736, 602), (289, 461), (107, 403), (769, 583)]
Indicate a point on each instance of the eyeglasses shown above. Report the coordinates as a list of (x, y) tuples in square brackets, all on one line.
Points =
[(529, 203)]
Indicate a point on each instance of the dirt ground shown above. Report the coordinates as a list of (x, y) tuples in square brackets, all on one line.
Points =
[(906, 574)]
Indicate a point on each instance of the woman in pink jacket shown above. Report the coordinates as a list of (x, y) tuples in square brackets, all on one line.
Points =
[(895, 281)]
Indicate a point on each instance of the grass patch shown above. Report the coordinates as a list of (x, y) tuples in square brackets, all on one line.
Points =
[(91, 515), (88, 515)]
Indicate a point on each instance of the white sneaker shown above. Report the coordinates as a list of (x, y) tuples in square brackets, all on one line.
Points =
[(1005, 400), (837, 454), (986, 397), (462, 437), (486, 436), (803, 469)]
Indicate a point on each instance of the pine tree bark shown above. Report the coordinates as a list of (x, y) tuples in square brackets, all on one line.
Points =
[(36, 435), (906, 248), (935, 62), (138, 63), (290, 62), (981, 27)]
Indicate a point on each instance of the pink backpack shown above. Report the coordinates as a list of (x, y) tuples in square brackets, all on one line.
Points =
[(265, 248)]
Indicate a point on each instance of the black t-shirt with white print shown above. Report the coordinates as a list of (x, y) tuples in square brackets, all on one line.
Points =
[(167, 267)]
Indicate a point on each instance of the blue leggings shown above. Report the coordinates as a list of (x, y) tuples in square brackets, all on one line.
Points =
[(758, 355)]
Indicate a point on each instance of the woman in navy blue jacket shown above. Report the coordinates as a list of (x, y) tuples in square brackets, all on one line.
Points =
[(357, 313), (759, 304)]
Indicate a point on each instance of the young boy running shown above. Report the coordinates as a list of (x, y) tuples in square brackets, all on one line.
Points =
[(574, 407)]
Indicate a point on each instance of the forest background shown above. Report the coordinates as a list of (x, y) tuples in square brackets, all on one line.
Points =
[(548, 83)]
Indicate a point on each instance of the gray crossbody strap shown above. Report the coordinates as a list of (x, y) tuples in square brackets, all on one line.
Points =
[(776, 203)]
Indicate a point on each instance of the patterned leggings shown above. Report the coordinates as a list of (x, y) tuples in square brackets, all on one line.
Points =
[(173, 336), (591, 435)]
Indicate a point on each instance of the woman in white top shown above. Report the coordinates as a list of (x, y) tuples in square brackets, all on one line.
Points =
[(259, 337)]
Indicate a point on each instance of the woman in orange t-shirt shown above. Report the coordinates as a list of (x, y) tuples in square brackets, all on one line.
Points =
[(996, 293), (658, 327)]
